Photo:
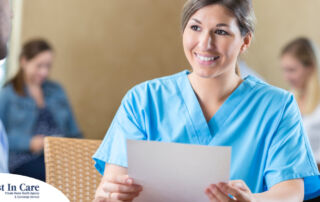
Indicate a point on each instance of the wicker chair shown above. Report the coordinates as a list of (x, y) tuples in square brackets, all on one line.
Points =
[(69, 167)]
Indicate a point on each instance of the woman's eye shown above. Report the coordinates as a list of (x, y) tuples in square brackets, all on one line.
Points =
[(221, 32), (195, 28)]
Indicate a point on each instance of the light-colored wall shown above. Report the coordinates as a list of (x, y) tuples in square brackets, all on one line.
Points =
[(278, 22), (105, 47)]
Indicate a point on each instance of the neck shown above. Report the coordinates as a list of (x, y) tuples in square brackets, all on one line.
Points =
[(31, 84), (301, 93), (215, 89), (301, 99)]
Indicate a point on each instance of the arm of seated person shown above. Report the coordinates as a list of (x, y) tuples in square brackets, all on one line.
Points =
[(287, 191)]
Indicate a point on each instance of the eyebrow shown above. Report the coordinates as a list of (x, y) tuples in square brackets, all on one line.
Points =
[(197, 21), (218, 25), (222, 25)]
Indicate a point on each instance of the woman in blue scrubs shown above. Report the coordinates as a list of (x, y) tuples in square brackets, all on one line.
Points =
[(213, 105)]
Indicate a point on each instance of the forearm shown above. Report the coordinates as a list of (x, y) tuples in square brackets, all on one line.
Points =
[(115, 185), (288, 191), (111, 170), (279, 197), (114, 170)]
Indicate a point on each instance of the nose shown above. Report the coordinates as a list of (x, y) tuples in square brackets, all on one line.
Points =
[(206, 42)]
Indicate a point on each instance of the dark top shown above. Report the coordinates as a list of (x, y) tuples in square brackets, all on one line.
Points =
[(45, 125)]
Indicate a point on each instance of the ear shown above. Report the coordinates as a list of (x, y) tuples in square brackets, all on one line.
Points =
[(246, 42), (312, 69)]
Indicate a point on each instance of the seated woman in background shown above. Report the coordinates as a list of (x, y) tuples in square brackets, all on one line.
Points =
[(300, 64), (32, 107)]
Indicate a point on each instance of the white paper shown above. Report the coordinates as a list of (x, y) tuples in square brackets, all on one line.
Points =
[(171, 172)]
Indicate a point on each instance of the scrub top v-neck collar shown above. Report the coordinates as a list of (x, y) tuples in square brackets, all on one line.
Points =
[(207, 130)]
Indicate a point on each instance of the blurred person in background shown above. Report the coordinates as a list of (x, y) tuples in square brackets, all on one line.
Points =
[(300, 64), (32, 107), (5, 27)]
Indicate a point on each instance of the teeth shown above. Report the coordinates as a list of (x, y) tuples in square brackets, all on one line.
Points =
[(203, 58)]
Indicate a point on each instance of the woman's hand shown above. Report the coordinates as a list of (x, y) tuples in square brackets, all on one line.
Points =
[(37, 143), (117, 188), (238, 189)]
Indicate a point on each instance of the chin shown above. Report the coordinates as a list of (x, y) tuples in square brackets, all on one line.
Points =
[(39, 82), (295, 85)]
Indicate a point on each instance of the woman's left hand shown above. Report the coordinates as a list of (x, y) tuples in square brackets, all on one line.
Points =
[(221, 192)]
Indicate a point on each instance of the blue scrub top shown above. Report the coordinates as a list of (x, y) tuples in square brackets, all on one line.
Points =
[(260, 122)]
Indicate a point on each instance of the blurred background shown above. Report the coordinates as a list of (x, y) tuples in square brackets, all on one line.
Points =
[(103, 48)]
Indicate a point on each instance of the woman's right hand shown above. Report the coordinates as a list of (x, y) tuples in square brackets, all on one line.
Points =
[(117, 188), (37, 143)]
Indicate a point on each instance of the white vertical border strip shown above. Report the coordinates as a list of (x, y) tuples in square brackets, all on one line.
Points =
[(15, 39)]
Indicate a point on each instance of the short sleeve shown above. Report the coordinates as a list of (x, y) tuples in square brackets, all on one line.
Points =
[(289, 155), (127, 124)]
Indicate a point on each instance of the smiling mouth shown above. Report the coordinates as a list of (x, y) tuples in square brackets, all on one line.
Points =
[(204, 58)]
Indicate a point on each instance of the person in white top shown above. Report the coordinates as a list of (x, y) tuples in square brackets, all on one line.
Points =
[(245, 70), (5, 27), (301, 68)]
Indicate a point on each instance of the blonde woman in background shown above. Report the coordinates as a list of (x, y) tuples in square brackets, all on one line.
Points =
[(300, 64)]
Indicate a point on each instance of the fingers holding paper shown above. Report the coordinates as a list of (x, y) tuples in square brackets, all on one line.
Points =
[(117, 187), (221, 192)]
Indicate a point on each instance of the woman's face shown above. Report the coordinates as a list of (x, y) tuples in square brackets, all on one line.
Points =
[(37, 69), (212, 41), (295, 72)]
